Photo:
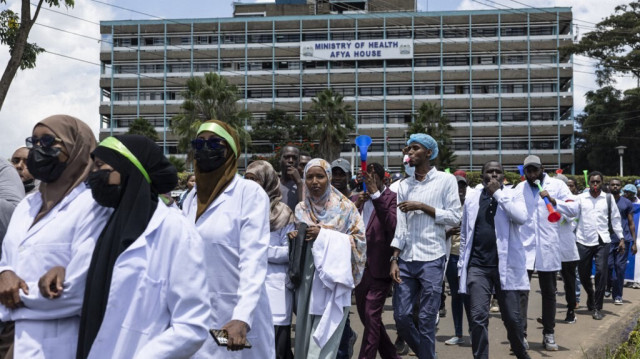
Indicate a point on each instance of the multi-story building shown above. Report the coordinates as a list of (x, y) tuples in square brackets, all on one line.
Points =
[(498, 75)]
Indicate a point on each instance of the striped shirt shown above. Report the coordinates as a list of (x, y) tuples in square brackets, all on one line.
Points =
[(420, 237)]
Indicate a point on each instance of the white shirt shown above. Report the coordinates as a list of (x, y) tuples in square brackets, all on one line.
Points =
[(420, 237), (594, 220), (367, 209)]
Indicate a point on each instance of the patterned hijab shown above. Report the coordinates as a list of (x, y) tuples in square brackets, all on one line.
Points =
[(334, 211), (210, 185), (280, 214), (78, 141)]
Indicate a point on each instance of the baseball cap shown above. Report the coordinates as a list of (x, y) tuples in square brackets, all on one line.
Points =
[(460, 173), (461, 179), (532, 160), (342, 164), (630, 188)]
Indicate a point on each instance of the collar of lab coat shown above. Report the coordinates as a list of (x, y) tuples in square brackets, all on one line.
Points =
[(161, 212), (35, 202)]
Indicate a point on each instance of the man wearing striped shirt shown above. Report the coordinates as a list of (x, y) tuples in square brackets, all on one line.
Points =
[(427, 202)]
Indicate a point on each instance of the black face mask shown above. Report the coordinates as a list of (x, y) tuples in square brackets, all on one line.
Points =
[(105, 194), (43, 163), (209, 160)]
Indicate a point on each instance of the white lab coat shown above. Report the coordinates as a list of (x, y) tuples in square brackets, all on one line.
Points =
[(567, 235), (157, 307), (541, 238), (510, 214), (280, 297), (66, 236), (332, 282), (235, 228)]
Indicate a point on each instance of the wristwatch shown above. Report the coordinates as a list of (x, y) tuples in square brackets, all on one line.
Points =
[(393, 258)]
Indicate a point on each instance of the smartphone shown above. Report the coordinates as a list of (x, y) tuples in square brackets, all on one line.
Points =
[(221, 337)]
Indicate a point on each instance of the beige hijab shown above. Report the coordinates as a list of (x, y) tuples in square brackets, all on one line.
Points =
[(78, 141), (280, 214)]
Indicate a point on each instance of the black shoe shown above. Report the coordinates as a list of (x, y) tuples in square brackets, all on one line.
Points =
[(539, 320), (597, 315), (571, 317), (443, 313), (402, 348)]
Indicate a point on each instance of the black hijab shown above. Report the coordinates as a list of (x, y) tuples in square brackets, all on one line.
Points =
[(138, 202)]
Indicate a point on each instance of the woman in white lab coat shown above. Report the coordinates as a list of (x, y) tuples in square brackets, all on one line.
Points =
[(144, 296), (55, 226), (232, 216), (280, 223)]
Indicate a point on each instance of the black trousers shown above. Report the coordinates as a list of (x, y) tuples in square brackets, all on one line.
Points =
[(283, 342), (600, 254), (481, 281), (547, 282), (569, 280)]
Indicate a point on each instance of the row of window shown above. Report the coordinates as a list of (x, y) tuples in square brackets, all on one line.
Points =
[(512, 144), (185, 67), (432, 33)]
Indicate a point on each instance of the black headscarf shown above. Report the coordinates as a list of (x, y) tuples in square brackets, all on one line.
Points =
[(138, 202)]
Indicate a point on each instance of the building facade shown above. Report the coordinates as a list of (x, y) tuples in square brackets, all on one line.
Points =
[(498, 75)]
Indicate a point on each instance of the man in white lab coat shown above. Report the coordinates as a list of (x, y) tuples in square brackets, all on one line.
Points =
[(541, 240), (492, 258)]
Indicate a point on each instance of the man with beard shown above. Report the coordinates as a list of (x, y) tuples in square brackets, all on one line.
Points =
[(541, 240), (619, 249), (597, 218), (492, 259), (19, 161), (290, 179)]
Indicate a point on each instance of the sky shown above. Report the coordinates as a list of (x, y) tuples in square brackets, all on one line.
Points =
[(66, 78)]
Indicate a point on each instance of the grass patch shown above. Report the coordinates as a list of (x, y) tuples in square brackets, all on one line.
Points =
[(630, 349)]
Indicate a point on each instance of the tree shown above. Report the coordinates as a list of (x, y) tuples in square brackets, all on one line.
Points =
[(329, 122), (14, 32), (611, 119), (178, 163), (431, 121), (140, 126), (208, 98), (614, 43)]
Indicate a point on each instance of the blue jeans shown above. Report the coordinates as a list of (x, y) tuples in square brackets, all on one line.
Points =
[(459, 301), (423, 279), (617, 264)]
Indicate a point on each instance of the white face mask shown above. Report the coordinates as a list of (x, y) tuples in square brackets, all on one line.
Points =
[(410, 171)]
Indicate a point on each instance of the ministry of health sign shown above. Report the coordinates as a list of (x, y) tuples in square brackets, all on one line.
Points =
[(352, 50)]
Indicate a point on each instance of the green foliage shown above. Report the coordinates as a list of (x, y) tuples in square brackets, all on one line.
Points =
[(611, 119), (178, 163), (614, 43), (329, 123), (208, 98), (278, 128), (431, 121), (141, 126)]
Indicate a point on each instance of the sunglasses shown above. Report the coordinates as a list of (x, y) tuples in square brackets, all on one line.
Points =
[(212, 143), (44, 141)]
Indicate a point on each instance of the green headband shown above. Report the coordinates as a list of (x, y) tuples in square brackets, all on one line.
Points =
[(114, 144), (220, 131)]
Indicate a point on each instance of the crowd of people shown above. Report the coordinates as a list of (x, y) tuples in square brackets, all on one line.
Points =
[(99, 262)]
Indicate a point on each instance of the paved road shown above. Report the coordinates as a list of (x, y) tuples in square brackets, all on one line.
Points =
[(586, 338)]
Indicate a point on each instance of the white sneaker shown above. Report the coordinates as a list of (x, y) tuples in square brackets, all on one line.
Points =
[(617, 301), (454, 341)]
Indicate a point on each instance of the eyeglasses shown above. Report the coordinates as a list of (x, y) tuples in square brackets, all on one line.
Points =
[(43, 141), (213, 143)]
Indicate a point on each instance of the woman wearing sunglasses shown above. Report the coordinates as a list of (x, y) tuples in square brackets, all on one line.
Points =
[(56, 226), (144, 296), (232, 216)]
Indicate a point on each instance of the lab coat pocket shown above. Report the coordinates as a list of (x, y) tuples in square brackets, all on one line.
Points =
[(47, 256), (146, 305)]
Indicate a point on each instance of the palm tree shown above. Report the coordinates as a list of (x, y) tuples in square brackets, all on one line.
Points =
[(208, 98), (329, 122), (432, 121), (141, 126)]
